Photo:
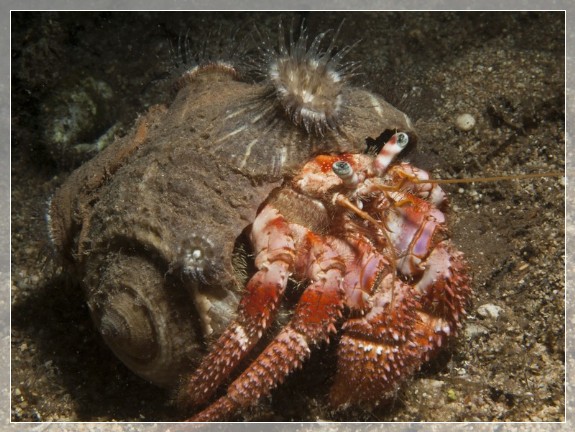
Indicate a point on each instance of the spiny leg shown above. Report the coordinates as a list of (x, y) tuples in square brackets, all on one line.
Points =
[(425, 256), (317, 310), (376, 351), (440, 271), (443, 292), (405, 327), (274, 246), (373, 342)]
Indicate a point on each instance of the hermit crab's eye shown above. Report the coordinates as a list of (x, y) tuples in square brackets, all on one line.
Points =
[(342, 169), (402, 140), (345, 171)]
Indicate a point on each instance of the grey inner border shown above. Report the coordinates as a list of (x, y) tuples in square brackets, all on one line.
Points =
[(254, 5)]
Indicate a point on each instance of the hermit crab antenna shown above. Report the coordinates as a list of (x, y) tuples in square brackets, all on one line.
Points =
[(346, 173), (391, 149), (489, 179)]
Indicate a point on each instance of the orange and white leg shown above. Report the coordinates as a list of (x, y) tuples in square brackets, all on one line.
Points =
[(443, 292), (404, 328), (376, 352), (313, 321), (275, 253)]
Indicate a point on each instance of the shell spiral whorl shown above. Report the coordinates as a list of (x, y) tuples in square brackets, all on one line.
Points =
[(146, 322)]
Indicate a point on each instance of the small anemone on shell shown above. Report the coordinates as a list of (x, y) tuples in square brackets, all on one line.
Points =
[(195, 256), (219, 49), (306, 81)]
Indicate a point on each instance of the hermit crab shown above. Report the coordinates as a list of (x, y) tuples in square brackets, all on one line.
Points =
[(154, 226), (370, 242)]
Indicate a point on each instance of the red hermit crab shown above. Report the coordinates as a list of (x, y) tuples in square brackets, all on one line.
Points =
[(369, 241)]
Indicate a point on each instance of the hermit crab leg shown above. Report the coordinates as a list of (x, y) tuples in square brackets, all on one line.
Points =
[(313, 321), (443, 290), (274, 246), (376, 351)]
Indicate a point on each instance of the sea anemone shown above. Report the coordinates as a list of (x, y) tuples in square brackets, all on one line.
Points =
[(306, 81)]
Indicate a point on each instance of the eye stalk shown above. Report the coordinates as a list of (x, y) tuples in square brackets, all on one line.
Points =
[(389, 151), (345, 172)]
